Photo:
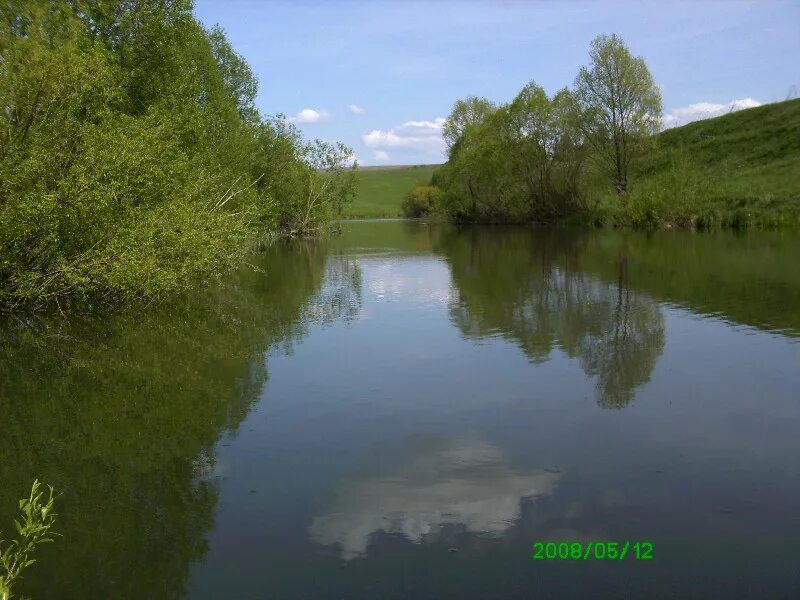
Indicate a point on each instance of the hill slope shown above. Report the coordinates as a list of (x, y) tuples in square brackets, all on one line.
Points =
[(739, 169), (381, 189), (758, 148)]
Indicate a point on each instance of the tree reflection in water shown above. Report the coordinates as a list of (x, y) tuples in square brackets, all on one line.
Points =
[(121, 413), (528, 288)]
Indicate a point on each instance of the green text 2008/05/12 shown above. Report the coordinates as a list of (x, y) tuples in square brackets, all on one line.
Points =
[(597, 550)]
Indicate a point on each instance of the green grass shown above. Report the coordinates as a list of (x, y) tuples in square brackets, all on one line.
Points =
[(757, 150), (740, 169), (381, 190)]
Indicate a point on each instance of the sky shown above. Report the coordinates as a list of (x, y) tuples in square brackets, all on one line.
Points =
[(382, 75)]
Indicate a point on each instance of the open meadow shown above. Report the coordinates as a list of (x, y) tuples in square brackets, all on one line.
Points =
[(380, 190)]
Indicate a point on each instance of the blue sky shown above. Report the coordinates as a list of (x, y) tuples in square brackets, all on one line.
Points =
[(381, 75)]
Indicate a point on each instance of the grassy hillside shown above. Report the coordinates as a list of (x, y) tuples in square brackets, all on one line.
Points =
[(739, 169), (382, 189), (757, 149)]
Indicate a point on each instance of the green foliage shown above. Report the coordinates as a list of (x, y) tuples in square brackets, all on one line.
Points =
[(738, 170), (130, 173), (525, 161), (470, 111), (316, 189), (33, 529), (516, 162), (421, 201), (621, 106)]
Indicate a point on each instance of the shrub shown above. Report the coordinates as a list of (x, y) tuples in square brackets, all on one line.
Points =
[(420, 201)]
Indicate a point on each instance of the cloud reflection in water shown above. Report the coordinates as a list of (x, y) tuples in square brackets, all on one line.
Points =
[(466, 482)]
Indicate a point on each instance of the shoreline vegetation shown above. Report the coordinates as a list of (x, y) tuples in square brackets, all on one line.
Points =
[(593, 155), (128, 174)]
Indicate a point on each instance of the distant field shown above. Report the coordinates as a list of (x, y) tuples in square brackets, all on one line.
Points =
[(381, 189)]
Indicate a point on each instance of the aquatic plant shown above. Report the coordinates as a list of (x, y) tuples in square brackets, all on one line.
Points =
[(33, 528)]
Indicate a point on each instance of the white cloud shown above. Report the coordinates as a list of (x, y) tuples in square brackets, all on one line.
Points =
[(412, 135), (704, 110), (356, 109), (381, 155), (309, 115)]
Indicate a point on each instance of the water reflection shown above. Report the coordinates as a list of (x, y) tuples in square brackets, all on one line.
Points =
[(527, 287), (340, 295), (121, 415), (463, 483), (127, 416)]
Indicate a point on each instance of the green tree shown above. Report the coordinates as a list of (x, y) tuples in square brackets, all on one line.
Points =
[(621, 105), (544, 148), (476, 180), (420, 201), (519, 162), (133, 161), (239, 80), (470, 111), (317, 181)]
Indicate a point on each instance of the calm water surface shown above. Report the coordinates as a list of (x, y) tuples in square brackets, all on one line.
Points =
[(402, 411)]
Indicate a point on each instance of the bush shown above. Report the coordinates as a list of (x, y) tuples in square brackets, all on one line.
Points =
[(420, 201)]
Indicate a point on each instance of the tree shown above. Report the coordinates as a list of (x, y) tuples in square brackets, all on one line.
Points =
[(470, 111), (622, 106), (133, 160), (330, 183), (476, 178), (514, 162), (239, 80), (420, 201), (544, 150)]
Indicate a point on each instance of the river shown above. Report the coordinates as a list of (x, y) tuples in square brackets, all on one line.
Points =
[(404, 410)]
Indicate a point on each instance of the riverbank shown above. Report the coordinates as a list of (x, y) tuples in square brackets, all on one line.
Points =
[(737, 170)]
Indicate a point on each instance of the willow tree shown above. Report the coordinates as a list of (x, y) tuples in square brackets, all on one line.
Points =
[(133, 159), (622, 106), (544, 149), (470, 111)]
